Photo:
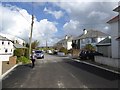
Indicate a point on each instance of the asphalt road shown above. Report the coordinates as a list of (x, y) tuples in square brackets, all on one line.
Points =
[(59, 72)]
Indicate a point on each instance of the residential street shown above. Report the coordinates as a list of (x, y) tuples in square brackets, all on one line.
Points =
[(59, 72)]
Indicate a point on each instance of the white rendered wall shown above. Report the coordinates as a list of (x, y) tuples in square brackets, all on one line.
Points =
[(69, 45), (4, 56), (115, 44)]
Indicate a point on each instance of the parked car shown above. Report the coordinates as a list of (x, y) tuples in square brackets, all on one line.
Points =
[(55, 52), (49, 52), (84, 54), (39, 54)]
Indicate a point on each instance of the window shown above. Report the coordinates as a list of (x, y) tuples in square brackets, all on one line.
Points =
[(6, 50), (83, 41), (88, 40), (2, 42), (8, 43), (93, 40)]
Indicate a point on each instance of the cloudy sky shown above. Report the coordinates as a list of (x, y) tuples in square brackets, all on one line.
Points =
[(54, 20)]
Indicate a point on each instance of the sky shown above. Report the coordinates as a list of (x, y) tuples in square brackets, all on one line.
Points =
[(54, 20)]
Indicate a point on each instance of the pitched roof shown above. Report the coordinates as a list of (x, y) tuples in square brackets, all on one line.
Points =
[(117, 9), (4, 38), (65, 40), (78, 37), (118, 38), (114, 19), (18, 46), (92, 34), (106, 41)]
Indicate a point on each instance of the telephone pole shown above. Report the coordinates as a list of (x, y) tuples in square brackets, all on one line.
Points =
[(31, 35)]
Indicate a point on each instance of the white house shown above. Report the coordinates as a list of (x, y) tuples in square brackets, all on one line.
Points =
[(8, 43), (14, 39), (91, 37), (115, 34), (66, 43), (6, 48)]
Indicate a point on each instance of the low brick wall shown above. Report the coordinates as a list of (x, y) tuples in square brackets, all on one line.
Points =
[(12, 60), (107, 61)]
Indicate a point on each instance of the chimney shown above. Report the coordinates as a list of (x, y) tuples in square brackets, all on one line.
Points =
[(84, 31), (66, 37)]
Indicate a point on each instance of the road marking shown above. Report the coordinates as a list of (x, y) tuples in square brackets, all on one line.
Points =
[(60, 84), (96, 66)]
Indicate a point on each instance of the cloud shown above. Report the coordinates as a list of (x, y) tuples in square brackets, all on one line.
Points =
[(71, 27), (98, 14), (56, 14), (90, 15), (19, 23)]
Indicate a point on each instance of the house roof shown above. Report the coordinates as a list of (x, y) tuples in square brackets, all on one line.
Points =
[(92, 34), (18, 46), (117, 9), (114, 19), (78, 37), (4, 38), (65, 40), (106, 41), (118, 38)]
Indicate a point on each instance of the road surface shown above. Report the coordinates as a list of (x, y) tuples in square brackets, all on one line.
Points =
[(59, 72)]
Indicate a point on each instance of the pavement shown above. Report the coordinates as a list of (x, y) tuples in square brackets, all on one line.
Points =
[(98, 65), (60, 72)]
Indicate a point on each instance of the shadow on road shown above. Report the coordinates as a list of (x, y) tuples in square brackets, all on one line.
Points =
[(97, 71)]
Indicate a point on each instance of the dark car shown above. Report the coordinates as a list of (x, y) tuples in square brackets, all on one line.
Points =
[(39, 54), (84, 54)]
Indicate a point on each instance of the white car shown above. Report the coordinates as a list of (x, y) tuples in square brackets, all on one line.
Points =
[(39, 54)]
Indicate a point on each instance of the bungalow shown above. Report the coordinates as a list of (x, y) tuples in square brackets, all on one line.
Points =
[(90, 37), (115, 34), (66, 43)]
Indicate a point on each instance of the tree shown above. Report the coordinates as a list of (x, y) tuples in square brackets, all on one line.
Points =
[(35, 44), (89, 47)]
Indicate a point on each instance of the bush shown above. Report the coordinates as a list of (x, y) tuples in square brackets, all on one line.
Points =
[(89, 47), (62, 49), (23, 59), (26, 53), (19, 52)]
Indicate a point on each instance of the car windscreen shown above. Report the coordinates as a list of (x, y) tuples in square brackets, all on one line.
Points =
[(38, 52)]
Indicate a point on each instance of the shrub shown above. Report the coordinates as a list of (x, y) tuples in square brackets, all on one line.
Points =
[(26, 53), (62, 49), (89, 47), (23, 59), (19, 52)]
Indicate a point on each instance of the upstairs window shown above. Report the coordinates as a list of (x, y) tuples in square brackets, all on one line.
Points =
[(2, 43), (8, 43)]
